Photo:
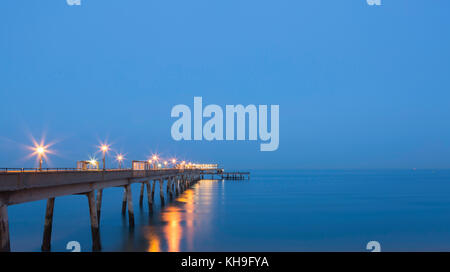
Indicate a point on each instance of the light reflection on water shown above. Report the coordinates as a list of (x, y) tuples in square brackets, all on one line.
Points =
[(178, 219)]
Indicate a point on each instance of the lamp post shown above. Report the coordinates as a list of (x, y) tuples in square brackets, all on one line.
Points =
[(149, 164), (40, 151), (120, 159), (104, 149), (155, 159)]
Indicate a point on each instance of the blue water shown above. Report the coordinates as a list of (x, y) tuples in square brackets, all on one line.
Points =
[(404, 210)]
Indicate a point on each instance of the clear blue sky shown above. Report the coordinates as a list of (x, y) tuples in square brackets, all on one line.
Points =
[(358, 86)]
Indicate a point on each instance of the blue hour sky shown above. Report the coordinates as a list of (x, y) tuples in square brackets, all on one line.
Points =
[(358, 86)]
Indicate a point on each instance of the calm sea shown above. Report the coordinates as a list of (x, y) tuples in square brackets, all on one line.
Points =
[(404, 210)]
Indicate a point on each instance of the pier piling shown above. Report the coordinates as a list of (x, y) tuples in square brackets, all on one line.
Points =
[(48, 224), (141, 196), (4, 229), (130, 205), (149, 196), (99, 204), (96, 245), (161, 191), (169, 187), (124, 202), (153, 189)]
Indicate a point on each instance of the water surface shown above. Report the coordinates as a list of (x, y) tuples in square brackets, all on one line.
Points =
[(299, 210)]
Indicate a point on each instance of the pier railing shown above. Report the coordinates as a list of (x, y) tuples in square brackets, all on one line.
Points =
[(50, 170)]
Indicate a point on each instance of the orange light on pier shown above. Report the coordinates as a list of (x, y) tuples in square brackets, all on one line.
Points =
[(40, 151), (93, 162), (104, 148), (174, 161), (155, 158), (120, 158)]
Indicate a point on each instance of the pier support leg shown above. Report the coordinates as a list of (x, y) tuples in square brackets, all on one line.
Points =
[(130, 206), (96, 245), (141, 196), (161, 191), (4, 229), (153, 189), (99, 204), (149, 196), (124, 202), (46, 240), (169, 187)]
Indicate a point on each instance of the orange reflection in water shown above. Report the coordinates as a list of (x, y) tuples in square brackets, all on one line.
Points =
[(154, 243), (178, 219), (173, 230)]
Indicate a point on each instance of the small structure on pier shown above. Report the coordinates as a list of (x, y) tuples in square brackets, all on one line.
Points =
[(87, 165), (141, 165), (221, 174), (235, 175)]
